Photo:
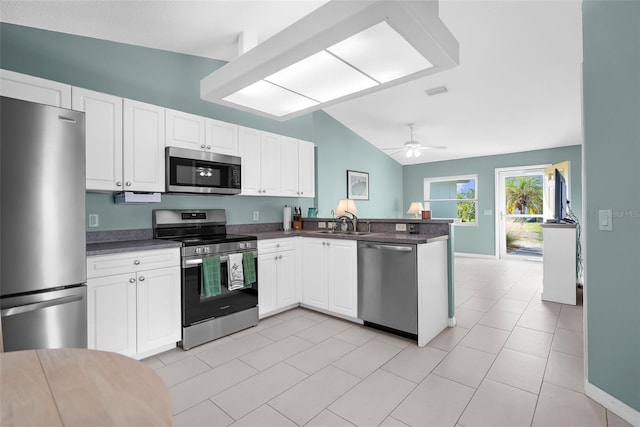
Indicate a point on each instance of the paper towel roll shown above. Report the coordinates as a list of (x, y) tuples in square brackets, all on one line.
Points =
[(286, 222)]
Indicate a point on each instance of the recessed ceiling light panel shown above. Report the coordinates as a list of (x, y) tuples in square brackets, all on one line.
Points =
[(382, 53), (322, 77), (267, 97), (342, 50)]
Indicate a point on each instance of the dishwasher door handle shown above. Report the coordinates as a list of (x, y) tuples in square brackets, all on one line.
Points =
[(390, 248)]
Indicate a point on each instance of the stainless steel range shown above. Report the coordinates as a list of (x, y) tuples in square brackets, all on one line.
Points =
[(203, 234)]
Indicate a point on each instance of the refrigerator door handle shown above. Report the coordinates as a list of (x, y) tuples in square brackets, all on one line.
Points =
[(39, 305)]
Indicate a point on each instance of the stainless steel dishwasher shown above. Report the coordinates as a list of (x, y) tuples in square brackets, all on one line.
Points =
[(388, 286)]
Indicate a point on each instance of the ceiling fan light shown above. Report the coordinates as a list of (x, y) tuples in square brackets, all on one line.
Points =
[(416, 153), (409, 153)]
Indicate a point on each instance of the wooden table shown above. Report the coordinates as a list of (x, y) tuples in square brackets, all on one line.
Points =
[(80, 387)]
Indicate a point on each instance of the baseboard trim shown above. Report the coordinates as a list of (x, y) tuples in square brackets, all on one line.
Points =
[(614, 405), (470, 255)]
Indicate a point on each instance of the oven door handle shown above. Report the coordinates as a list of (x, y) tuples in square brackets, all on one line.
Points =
[(197, 261)]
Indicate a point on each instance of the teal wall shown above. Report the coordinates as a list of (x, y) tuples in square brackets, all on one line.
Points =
[(172, 80), (480, 238), (611, 91)]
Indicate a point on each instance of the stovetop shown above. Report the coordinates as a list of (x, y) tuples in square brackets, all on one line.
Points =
[(212, 240)]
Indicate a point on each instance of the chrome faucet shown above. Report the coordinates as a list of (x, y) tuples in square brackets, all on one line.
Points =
[(353, 220)]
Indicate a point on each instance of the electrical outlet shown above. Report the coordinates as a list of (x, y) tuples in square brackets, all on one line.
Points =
[(401, 227), (93, 220), (322, 224), (256, 215)]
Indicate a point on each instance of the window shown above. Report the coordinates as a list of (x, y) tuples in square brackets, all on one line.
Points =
[(453, 197)]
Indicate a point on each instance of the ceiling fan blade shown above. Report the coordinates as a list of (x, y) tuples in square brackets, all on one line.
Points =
[(392, 148), (432, 147)]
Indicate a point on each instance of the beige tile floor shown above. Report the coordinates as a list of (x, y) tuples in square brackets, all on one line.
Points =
[(512, 360)]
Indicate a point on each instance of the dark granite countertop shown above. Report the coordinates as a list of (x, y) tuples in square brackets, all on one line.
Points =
[(370, 237), (102, 248)]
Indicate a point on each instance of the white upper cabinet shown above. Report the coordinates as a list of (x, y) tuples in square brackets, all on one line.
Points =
[(34, 89), (124, 142), (193, 132), (306, 169), (103, 124), (143, 146), (251, 161), (260, 152), (222, 137), (185, 130), (276, 165), (289, 170), (270, 164)]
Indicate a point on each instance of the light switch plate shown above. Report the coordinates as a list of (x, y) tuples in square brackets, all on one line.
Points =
[(93, 220), (401, 227), (605, 220), (322, 224), (256, 215)]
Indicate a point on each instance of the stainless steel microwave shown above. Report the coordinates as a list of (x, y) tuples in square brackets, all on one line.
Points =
[(192, 171)]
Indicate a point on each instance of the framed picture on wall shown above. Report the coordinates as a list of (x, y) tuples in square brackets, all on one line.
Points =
[(357, 185)]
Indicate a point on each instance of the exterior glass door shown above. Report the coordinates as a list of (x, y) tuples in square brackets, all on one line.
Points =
[(520, 208)]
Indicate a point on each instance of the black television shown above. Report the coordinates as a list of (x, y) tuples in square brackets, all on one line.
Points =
[(560, 202)]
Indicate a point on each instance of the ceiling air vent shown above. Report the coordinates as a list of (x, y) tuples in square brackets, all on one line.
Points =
[(436, 90)]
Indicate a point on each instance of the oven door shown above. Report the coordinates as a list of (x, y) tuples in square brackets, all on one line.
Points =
[(196, 308), (190, 171)]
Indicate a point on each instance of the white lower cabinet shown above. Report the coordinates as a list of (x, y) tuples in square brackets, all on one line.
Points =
[(329, 275), (277, 275), (133, 303)]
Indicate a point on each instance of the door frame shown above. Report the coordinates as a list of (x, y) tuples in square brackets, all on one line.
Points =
[(498, 203)]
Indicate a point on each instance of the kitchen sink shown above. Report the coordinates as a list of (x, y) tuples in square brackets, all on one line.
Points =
[(348, 233)]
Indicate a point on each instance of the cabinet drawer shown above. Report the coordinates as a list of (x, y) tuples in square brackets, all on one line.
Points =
[(130, 262), (275, 245)]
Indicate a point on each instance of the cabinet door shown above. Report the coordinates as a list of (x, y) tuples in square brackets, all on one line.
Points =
[(270, 164), (267, 300), (343, 277), (34, 89), (222, 137), (103, 124), (111, 313), (143, 147), (286, 281), (158, 308), (314, 285), (249, 141), (306, 169), (289, 169), (185, 130)]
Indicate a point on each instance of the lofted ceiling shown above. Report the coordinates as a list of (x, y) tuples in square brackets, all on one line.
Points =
[(518, 86)]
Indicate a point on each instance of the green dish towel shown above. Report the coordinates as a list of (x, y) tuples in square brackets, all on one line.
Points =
[(249, 269), (210, 277)]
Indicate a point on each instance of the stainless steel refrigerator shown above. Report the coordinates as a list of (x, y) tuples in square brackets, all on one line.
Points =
[(43, 296)]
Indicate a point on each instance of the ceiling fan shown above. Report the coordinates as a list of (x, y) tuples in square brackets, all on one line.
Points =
[(413, 148)]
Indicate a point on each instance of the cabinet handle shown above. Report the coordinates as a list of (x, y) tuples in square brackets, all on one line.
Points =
[(275, 257), (132, 280), (208, 147), (328, 244), (136, 262), (128, 184), (202, 146), (118, 184), (277, 245), (280, 257), (141, 278)]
